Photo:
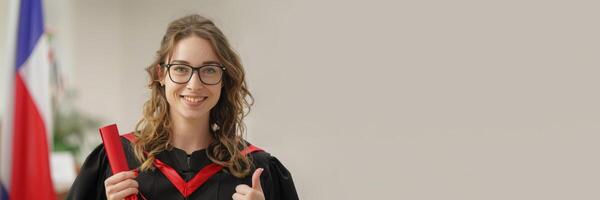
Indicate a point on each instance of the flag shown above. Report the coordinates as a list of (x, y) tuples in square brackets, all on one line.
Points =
[(25, 152)]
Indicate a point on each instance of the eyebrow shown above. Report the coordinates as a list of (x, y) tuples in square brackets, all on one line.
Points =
[(204, 63)]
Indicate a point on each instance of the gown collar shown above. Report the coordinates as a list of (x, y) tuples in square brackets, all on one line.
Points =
[(184, 164)]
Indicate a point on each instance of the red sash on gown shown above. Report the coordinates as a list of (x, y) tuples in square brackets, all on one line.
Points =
[(118, 163)]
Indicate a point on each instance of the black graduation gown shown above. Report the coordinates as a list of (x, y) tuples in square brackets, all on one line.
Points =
[(276, 180)]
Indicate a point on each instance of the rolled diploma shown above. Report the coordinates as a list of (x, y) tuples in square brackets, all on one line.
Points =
[(114, 150)]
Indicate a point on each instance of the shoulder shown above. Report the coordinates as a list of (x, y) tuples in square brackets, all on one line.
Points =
[(99, 158), (259, 156), (276, 179), (99, 155), (264, 159), (89, 184)]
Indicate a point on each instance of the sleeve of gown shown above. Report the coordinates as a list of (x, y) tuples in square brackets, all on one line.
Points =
[(283, 185), (89, 184)]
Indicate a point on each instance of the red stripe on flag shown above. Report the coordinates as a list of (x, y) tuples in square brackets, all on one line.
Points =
[(31, 177)]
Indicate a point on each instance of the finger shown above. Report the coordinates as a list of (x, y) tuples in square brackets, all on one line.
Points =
[(243, 189), (256, 179), (124, 193), (237, 196), (118, 177), (125, 184)]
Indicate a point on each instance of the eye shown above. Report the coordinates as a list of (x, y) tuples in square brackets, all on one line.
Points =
[(180, 68), (210, 70)]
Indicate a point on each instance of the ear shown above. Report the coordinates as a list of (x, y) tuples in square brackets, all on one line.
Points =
[(161, 74)]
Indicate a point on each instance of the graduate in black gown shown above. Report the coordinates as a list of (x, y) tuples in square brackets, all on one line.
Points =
[(189, 143)]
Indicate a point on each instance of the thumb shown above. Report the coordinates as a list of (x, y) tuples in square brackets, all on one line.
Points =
[(256, 179)]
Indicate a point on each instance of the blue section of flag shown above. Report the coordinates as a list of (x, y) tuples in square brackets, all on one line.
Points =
[(3, 193), (31, 28)]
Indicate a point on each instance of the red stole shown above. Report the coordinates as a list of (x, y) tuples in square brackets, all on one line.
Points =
[(187, 188)]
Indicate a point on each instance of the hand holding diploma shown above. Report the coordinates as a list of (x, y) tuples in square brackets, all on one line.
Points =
[(122, 183)]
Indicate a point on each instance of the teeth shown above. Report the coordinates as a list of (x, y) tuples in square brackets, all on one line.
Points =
[(193, 99)]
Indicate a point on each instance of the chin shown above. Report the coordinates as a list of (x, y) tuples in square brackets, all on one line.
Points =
[(194, 115)]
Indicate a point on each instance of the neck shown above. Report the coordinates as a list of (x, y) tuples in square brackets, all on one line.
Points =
[(190, 135)]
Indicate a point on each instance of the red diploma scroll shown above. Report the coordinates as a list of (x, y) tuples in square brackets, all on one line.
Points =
[(114, 151)]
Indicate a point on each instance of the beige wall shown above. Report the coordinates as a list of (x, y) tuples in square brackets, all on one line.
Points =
[(382, 99)]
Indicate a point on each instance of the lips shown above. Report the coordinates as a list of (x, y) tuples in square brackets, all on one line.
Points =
[(193, 100)]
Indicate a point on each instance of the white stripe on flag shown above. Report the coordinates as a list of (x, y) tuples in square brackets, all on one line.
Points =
[(36, 74)]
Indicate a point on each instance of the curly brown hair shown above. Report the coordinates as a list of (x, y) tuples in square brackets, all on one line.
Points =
[(153, 131)]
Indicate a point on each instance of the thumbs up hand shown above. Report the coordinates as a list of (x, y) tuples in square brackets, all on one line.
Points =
[(245, 192)]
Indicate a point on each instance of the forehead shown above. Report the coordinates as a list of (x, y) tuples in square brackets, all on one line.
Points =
[(195, 50)]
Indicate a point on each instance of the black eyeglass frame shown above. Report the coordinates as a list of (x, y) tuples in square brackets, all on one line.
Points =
[(194, 70)]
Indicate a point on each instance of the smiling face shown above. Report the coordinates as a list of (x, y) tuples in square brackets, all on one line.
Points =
[(192, 100)]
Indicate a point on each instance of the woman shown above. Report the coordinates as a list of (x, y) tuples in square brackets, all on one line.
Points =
[(189, 143)]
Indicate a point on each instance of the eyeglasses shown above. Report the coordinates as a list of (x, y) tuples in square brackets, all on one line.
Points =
[(210, 74)]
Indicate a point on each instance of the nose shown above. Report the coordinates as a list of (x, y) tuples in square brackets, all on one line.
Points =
[(195, 82)]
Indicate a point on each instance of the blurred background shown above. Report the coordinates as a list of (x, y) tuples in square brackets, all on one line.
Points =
[(460, 100)]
